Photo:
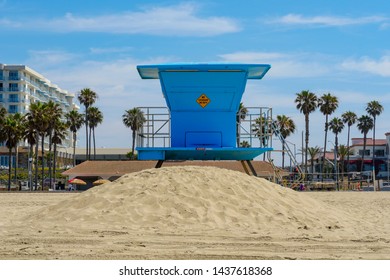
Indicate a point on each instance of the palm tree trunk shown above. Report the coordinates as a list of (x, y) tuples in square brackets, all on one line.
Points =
[(94, 144), (373, 147), (30, 155), (54, 165), (133, 145), (36, 161), (50, 161), (86, 132), (349, 128), (90, 143), (74, 149), (283, 147), (306, 141), (326, 138), (9, 168), (373, 153), (16, 164), (364, 149), (336, 167), (43, 159)]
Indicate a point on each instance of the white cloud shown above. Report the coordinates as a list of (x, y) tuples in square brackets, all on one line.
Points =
[(379, 67), (110, 50), (282, 64), (9, 23), (181, 20), (50, 57), (296, 19)]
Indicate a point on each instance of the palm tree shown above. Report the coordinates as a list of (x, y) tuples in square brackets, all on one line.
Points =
[(11, 130), (87, 97), (42, 123), (241, 115), (306, 103), (95, 118), (3, 113), (133, 118), (286, 127), (374, 109), (74, 120), (313, 152), (18, 135), (38, 119), (349, 118), (59, 134), (328, 104), (31, 136), (54, 113), (245, 144), (263, 130), (336, 125), (365, 124), (343, 152)]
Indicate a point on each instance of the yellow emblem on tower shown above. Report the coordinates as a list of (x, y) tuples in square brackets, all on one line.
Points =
[(203, 100)]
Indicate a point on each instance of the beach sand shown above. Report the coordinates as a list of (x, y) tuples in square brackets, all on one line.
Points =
[(193, 212)]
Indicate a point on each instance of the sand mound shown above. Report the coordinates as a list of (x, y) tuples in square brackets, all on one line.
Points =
[(194, 199)]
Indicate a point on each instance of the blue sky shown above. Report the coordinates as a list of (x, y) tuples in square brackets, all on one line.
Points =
[(341, 47)]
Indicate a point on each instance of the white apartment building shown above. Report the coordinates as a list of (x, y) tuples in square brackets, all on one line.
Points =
[(20, 86)]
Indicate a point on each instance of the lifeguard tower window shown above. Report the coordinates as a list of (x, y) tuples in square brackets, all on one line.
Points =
[(203, 100)]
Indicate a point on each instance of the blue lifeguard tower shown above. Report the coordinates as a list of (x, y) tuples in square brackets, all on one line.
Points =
[(203, 100)]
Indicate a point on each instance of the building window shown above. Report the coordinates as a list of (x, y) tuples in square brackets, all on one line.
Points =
[(366, 152), (379, 153), (4, 161), (13, 109), (13, 98), (1, 97), (13, 75), (1, 75), (1, 87), (13, 87)]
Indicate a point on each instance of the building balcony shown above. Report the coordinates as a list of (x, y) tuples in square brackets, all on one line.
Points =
[(14, 100), (13, 89)]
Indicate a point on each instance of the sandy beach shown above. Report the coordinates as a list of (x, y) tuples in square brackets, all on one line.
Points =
[(193, 212)]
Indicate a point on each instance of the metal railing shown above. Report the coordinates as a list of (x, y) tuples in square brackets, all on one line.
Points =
[(253, 126), (156, 131)]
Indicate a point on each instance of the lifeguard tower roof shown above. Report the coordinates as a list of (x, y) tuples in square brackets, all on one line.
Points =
[(253, 71), (203, 101)]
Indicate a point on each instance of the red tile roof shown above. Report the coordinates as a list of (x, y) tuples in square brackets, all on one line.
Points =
[(369, 142)]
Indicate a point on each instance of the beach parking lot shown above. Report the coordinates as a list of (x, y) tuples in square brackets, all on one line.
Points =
[(194, 213)]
